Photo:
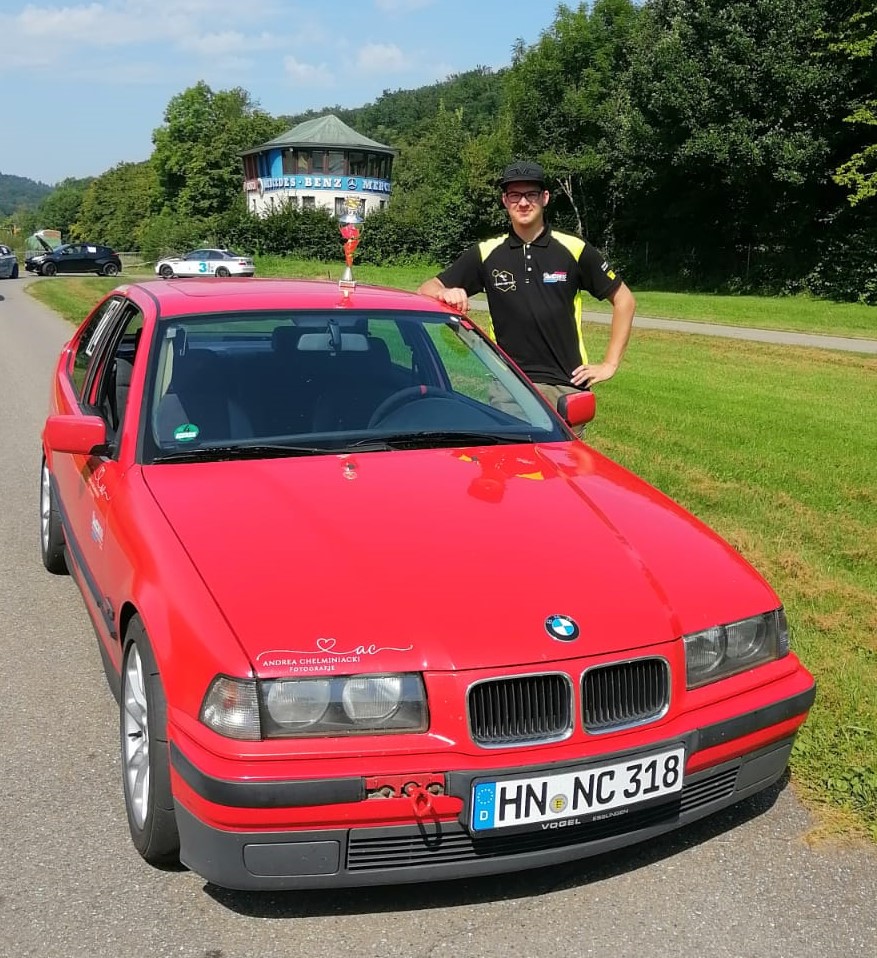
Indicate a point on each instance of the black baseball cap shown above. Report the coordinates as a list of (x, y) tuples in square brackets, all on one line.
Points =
[(522, 171)]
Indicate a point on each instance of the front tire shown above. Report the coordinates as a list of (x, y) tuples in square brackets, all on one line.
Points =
[(166, 272), (49, 269), (145, 759), (15, 271), (51, 530)]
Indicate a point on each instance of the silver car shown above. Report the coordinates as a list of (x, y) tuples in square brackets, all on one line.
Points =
[(206, 262), (8, 263)]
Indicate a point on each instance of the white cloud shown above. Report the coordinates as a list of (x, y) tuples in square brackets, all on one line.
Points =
[(211, 45), (382, 57), (307, 74), (60, 39)]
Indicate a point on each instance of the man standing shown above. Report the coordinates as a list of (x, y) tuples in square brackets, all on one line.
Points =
[(534, 278)]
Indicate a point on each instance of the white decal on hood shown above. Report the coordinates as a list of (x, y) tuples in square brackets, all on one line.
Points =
[(324, 658)]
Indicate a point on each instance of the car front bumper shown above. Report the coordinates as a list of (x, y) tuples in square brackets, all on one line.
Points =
[(434, 842)]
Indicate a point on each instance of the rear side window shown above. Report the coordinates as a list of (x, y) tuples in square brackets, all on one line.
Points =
[(89, 341)]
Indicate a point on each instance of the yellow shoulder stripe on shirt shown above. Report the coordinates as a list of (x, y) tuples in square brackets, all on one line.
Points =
[(488, 246), (485, 249), (575, 245), (572, 243)]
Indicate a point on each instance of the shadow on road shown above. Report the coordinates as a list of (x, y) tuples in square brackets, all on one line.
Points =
[(525, 884)]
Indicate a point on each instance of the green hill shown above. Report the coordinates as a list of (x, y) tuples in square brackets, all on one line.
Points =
[(18, 191), (398, 114)]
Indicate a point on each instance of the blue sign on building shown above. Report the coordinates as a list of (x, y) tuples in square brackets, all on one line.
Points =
[(310, 181)]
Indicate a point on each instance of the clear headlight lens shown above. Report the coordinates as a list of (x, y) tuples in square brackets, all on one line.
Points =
[(725, 650), (297, 705), (345, 705), (340, 705)]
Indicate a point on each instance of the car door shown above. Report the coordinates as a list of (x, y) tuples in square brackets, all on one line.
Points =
[(194, 263), (66, 259), (215, 258), (86, 484), (113, 394)]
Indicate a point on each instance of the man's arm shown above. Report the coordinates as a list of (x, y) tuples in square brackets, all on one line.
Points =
[(454, 296), (623, 308)]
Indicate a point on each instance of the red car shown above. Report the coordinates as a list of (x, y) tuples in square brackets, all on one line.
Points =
[(372, 613)]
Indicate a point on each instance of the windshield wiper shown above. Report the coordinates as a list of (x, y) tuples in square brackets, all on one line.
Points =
[(226, 453), (449, 437)]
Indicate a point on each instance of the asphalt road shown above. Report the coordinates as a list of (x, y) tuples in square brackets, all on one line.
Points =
[(744, 885)]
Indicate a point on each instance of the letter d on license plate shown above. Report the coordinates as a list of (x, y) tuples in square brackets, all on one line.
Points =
[(584, 792)]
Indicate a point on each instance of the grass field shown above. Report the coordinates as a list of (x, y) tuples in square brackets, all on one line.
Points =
[(776, 448), (802, 314)]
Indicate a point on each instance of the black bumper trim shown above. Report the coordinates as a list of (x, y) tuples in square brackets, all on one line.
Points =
[(330, 791), (711, 735)]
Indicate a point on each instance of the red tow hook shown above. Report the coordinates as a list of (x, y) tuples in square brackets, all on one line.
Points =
[(421, 799)]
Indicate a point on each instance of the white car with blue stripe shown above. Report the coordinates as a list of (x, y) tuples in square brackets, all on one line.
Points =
[(206, 262)]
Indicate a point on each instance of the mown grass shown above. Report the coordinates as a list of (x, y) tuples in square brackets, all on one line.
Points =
[(776, 448), (800, 314)]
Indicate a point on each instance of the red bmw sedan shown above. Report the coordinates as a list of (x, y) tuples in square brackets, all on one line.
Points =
[(372, 613)]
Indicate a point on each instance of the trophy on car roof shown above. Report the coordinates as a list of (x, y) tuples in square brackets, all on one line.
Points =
[(350, 221)]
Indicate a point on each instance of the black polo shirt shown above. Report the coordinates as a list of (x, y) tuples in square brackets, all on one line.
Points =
[(534, 293)]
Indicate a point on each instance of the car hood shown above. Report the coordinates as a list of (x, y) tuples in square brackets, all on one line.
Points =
[(447, 559)]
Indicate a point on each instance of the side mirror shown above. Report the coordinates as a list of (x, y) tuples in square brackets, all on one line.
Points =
[(577, 408), (80, 435)]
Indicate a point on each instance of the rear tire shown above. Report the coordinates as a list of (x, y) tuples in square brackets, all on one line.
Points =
[(110, 269), (15, 271), (145, 757), (49, 269), (222, 272), (51, 530)]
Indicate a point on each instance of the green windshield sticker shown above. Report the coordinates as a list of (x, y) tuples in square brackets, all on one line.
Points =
[(187, 432)]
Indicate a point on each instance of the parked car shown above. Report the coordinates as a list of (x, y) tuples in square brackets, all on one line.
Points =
[(206, 262), (76, 258), (8, 263), (373, 614)]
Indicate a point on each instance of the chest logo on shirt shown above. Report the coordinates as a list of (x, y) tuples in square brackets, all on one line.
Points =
[(504, 281), (558, 276)]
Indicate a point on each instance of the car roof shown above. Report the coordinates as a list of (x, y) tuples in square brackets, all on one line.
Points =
[(188, 297)]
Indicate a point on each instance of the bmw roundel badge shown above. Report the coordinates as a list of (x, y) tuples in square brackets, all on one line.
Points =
[(562, 628)]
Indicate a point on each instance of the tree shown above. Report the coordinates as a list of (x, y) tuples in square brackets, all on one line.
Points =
[(859, 42), (197, 155), (116, 204), (730, 117), (60, 209), (559, 94), (431, 186)]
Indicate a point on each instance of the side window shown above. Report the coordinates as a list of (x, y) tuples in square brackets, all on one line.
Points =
[(89, 340), (114, 384)]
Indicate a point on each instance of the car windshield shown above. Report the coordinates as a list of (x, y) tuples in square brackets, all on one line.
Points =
[(256, 385)]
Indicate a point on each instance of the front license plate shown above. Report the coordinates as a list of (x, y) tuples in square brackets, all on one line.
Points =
[(584, 794)]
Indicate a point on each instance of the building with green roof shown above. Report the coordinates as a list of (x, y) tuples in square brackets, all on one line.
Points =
[(321, 162)]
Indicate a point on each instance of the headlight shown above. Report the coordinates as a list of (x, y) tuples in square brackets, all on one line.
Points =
[(340, 705), (231, 707), (725, 650)]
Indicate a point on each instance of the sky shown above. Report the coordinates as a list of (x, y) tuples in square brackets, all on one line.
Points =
[(86, 83)]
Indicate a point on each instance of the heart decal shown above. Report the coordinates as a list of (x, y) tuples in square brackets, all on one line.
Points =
[(325, 645)]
